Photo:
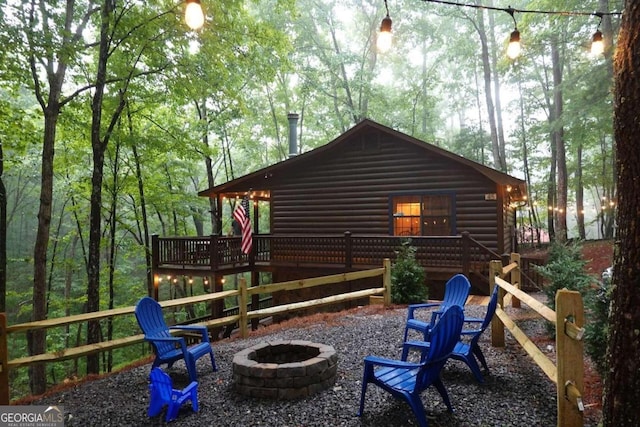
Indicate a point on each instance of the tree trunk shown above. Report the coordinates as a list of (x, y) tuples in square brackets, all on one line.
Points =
[(36, 339), (558, 141), (98, 145), (622, 382), (498, 161), (582, 232), (496, 89), (145, 238), (3, 237)]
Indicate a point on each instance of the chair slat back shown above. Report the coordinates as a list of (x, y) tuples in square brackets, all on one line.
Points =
[(162, 384), (151, 320), (491, 310), (456, 291), (444, 336)]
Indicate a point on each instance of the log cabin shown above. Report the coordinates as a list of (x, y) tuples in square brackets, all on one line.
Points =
[(350, 203)]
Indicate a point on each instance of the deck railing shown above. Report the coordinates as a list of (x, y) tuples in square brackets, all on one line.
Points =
[(216, 252)]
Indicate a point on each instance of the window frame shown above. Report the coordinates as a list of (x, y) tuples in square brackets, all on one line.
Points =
[(422, 195)]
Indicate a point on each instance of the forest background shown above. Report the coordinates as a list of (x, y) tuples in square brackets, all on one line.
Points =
[(115, 114)]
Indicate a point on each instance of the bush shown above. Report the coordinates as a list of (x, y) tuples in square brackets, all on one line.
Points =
[(407, 277), (566, 269), (597, 327)]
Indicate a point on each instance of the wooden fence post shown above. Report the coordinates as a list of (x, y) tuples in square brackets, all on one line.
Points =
[(516, 278), (497, 328), (570, 358), (386, 281), (4, 358), (242, 308)]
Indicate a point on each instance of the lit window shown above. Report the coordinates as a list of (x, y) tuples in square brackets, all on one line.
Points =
[(425, 215)]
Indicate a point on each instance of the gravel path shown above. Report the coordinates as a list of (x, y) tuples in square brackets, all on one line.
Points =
[(516, 392)]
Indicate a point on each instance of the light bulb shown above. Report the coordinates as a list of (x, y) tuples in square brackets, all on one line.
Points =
[(193, 15), (513, 51), (597, 45), (384, 36)]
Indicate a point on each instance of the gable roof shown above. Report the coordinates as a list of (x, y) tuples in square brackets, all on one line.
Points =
[(256, 180)]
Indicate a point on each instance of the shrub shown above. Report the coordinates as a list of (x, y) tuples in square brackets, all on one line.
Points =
[(407, 277), (566, 269), (597, 327)]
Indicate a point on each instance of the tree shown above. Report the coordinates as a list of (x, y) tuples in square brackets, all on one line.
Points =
[(622, 383)]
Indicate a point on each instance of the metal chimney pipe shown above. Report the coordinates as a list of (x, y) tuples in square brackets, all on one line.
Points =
[(293, 134)]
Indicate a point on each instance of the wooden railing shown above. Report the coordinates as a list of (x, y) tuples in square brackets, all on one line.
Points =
[(244, 295), (568, 371), (454, 252)]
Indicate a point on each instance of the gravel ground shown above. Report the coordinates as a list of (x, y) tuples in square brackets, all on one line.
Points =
[(516, 392)]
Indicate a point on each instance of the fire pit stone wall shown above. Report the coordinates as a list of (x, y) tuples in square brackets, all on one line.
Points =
[(284, 369)]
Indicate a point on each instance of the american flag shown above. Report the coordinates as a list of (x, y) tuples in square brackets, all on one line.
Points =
[(241, 214)]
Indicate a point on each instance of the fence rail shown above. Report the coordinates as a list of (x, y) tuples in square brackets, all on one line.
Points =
[(568, 371), (244, 295)]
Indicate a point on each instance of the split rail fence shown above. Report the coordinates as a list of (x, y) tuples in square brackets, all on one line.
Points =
[(244, 299), (568, 318), (567, 373)]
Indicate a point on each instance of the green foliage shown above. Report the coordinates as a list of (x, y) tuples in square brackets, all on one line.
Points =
[(565, 269), (597, 302), (407, 277)]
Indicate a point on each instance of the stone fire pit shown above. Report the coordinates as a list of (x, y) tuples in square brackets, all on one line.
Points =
[(284, 369)]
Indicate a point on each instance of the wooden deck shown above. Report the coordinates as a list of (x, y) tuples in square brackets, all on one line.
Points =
[(213, 256)]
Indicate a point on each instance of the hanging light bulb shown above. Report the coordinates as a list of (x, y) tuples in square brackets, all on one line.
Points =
[(193, 14), (597, 45), (514, 48), (385, 36)]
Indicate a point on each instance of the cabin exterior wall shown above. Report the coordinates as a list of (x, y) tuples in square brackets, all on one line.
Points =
[(350, 189)]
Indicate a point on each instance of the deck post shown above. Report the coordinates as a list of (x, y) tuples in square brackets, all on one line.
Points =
[(155, 261), (466, 256), (4, 358), (570, 358), (213, 252), (516, 278), (497, 327), (348, 250)]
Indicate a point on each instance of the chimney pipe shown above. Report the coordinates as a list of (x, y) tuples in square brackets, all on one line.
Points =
[(293, 134)]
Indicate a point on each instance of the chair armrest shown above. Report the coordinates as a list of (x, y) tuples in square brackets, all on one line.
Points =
[(192, 385), (391, 363), (413, 307), (202, 329)]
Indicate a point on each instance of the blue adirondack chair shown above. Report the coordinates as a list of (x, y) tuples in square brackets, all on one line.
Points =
[(406, 380), (456, 293), (163, 394), (168, 348), (467, 349)]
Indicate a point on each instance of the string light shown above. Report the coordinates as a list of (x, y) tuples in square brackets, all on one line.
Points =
[(385, 36), (514, 49), (597, 44), (193, 14)]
